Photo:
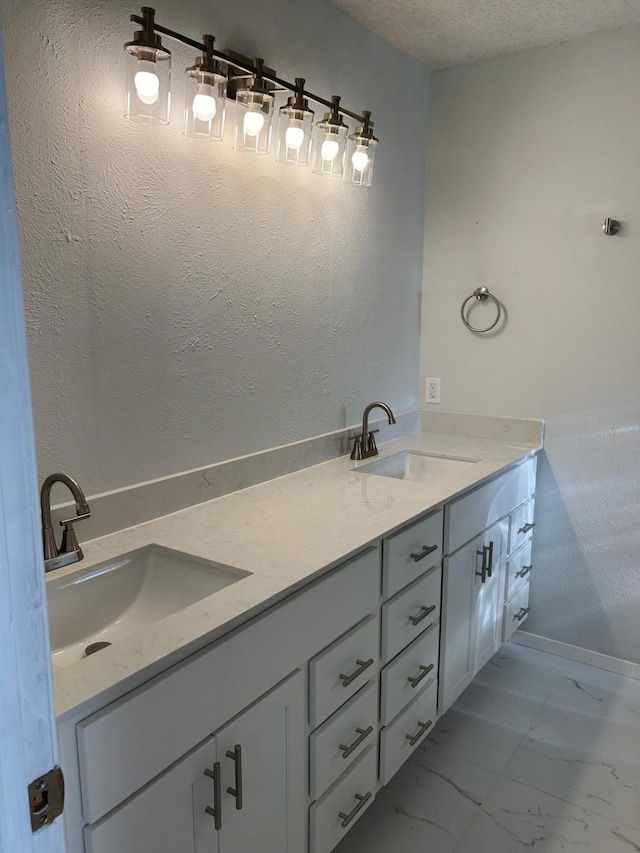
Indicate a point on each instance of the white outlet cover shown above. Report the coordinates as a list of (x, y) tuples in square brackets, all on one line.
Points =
[(432, 390)]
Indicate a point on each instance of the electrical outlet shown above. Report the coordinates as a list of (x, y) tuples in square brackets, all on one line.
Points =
[(432, 390)]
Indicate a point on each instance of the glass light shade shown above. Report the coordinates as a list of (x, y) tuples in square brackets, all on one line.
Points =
[(254, 114), (329, 143), (148, 92), (360, 160), (295, 128), (205, 104)]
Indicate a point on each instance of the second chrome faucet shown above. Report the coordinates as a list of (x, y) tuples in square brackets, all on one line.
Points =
[(364, 445)]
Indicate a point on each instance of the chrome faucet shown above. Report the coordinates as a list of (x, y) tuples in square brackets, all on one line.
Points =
[(364, 445), (70, 550)]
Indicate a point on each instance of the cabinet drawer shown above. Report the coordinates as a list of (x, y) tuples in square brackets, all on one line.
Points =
[(518, 569), (410, 612), (343, 738), (335, 813), (411, 552), (407, 732), (409, 673), (521, 524), (128, 743), (474, 512), (337, 673), (515, 612)]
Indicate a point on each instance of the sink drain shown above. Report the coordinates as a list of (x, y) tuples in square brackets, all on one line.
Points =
[(95, 647)]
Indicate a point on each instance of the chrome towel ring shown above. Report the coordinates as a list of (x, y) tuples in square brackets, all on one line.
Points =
[(481, 294)]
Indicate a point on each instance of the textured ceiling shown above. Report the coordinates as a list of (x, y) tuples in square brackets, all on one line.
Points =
[(440, 33)]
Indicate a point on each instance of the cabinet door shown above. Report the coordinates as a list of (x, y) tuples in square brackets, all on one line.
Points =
[(167, 816), (457, 649), (264, 773), (487, 605)]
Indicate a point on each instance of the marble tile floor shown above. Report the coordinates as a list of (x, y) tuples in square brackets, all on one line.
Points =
[(539, 753)]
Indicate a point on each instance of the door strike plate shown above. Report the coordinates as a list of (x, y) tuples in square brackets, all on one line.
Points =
[(46, 798)]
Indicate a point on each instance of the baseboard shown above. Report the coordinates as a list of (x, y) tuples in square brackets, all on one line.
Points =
[(575, 653)]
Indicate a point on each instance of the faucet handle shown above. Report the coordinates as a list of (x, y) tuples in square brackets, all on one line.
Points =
[(371, 443), (70, 544), (74, 519)]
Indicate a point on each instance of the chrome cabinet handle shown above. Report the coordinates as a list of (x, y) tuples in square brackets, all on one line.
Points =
[(426, 550), (363, 734), (237, 791), (413, 739), (524, 571), (523, 612), (529, 526), (362, 665), (424, 612), (362, 799), (216, 811), (424, 671)]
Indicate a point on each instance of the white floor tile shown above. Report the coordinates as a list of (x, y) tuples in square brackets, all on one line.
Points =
[(516, 818), (486, 725), (427, 806), (607, 788)]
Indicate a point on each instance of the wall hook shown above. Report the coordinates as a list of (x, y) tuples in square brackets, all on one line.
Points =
[(611, 226)]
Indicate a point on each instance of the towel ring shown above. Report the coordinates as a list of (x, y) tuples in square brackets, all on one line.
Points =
[(481, 294)]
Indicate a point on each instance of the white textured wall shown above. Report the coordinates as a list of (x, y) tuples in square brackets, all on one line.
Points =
[(527, 155), (185, 303)]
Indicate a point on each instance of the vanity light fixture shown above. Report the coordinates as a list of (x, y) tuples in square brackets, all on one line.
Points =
[(329, 141), (220, 76), (294, 129), (148, 94), (361, 154), (254, 113), (206, 92)]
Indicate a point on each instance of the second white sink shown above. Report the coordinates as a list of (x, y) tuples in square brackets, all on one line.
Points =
[(417, 465), (115, 598)]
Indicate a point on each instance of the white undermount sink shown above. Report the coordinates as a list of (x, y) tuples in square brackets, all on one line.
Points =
[(417, 465), (109, 601)]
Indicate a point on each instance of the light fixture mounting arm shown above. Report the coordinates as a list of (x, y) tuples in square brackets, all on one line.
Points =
[(151, 29)]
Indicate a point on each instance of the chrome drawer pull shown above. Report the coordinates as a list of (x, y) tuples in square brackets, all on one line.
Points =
[(424, 671), (216, 811), (237, 791), (362, 799), (524, 571), (424, 727), (529, 526), (523, 612), (362, 665), (363, 734), (424, 612), (426, 550)]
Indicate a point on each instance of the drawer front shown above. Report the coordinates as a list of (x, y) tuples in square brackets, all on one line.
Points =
[(521, 524), (204, 692), (470, 515), (411, 612), (407, 732), (339, 742), (518, 570), (337, 673), (413, 669), (515, 612), (411, 552), (332, 816)]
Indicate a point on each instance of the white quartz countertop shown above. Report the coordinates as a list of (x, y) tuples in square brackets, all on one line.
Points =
[(286, 532)]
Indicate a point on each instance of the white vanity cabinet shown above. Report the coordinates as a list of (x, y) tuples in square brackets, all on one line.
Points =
[(475, 574), (278, 736), (238, 791)]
